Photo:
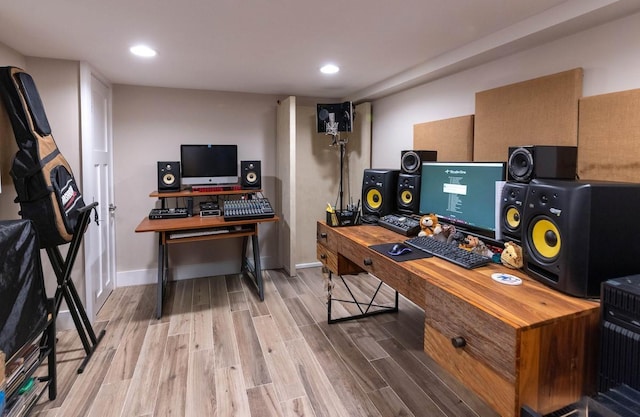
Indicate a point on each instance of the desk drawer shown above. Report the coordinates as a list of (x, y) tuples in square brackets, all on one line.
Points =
[(386, 270), (486, 338), (327, 237), (485, 356)]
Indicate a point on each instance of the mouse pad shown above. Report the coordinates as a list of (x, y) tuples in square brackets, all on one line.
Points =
[(414, 254)]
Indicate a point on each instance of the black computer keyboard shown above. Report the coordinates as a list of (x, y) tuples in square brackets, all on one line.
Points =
[(256, 208), (449, 252), (405, 225)]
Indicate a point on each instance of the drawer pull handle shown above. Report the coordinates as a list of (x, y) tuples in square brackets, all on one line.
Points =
[(458, 342), (323, 235), (368, 262), (323, 256)]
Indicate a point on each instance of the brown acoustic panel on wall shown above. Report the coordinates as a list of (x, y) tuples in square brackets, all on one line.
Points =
[(452, 138), (541, 111), (609, 137)]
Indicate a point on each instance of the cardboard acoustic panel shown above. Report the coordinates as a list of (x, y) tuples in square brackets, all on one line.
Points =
[(609, 137), (452, 138), (541, 111)]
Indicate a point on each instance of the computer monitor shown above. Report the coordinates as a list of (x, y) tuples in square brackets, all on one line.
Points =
[(462, 194), (209, 164)]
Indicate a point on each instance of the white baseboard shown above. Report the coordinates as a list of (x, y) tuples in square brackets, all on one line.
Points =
[(308, 265), (180, 272)]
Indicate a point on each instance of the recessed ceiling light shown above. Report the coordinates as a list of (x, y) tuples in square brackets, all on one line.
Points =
[(329, 69), (143, 51)]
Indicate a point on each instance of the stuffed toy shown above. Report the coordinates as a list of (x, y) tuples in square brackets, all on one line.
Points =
[(511, 256), (429, 225), (475, 245)]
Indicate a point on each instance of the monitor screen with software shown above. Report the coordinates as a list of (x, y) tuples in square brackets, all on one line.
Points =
[(209, 164), (462, 193)]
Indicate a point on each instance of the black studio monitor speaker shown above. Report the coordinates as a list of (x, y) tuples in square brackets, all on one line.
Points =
[(408, 193), (577, 234), (250, 175), (511, 210), (411, 161), (168, 176), (541, 161), (379, 191)]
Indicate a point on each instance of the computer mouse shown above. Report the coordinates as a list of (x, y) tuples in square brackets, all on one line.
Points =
[(399, 249)]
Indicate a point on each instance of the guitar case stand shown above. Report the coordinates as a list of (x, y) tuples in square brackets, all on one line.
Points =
[(48, 193)]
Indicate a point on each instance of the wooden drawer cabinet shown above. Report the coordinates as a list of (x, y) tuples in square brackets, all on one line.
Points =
[(328, 254), (509, 365)]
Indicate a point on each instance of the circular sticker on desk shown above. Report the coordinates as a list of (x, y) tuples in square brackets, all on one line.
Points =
[(506, 279)]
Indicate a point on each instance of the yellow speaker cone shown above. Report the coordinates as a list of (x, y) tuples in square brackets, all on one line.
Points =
[(251, 177), (546, 239), (168, 178), (406, 197), (512, 217), (374, 199)]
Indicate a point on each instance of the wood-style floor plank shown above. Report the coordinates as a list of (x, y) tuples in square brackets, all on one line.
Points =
[(220, 351)]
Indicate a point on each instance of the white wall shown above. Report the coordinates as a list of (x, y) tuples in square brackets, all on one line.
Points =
[(149, 124), (608, 54)]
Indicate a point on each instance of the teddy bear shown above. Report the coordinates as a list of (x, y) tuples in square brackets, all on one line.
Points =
[(475, 245), (511, 256), (429, 225)]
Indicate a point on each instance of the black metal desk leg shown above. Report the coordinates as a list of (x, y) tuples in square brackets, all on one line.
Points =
[(258, 268), (161, 267)]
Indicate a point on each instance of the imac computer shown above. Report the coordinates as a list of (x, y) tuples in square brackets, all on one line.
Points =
[(462, 194), (209, 164)]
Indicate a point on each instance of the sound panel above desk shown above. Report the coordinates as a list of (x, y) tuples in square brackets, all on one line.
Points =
[(609, 142), (541, 111)]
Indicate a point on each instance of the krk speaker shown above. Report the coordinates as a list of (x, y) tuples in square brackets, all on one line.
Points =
[(379, 191), (511, 210), (540, 161), (168, 176), (411, 161), (577, 234), (250, 177), (408, 193), (620, 333)]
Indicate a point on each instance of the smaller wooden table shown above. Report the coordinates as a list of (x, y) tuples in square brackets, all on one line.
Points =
[(196, 229)]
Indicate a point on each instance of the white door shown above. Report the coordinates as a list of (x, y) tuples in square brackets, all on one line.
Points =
[(97, 183), (286, 184)]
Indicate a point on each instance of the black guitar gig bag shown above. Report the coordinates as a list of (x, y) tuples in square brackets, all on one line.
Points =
[(47, 191)]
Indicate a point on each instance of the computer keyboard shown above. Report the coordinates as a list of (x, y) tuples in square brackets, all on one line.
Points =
[(405, 225), (256, 208), (449, 252)]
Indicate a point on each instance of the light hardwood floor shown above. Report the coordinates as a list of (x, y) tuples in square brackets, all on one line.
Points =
[(219, 351)]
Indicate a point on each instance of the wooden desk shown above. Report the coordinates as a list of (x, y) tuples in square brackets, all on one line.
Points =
[(511, 345), (168, 233)]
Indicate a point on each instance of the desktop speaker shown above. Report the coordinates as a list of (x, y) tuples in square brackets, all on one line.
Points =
[(620, 333), (511, 210), (168, 176), (411, 161), (378, 191), (251, 177), (577, 234), (540, 161), (408, 193)]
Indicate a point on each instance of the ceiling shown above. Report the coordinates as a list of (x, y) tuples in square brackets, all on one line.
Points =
[(278, 46)]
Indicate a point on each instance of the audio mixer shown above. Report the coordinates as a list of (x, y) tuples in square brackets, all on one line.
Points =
[(257, 208)]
